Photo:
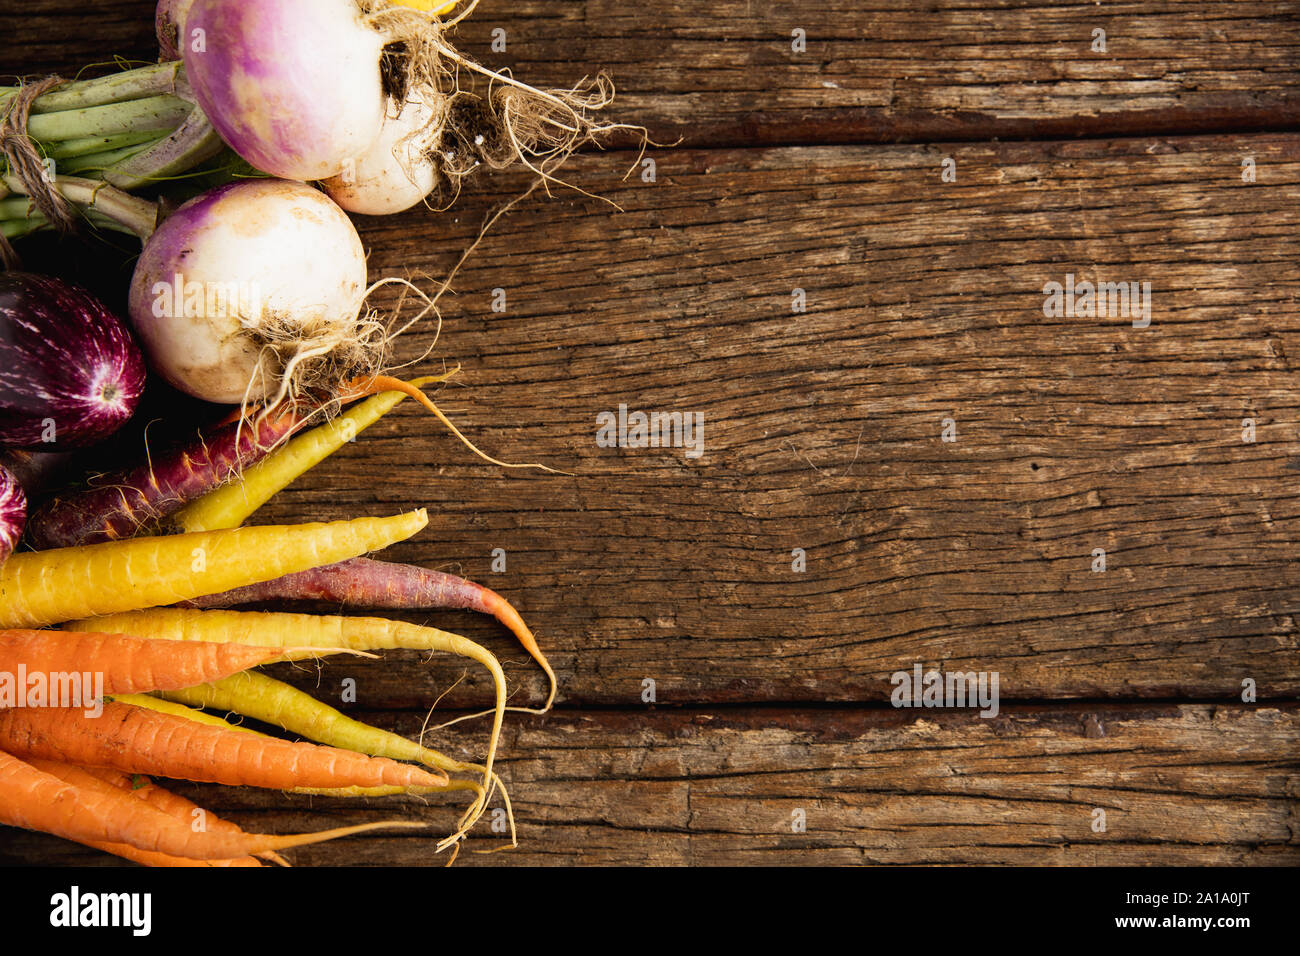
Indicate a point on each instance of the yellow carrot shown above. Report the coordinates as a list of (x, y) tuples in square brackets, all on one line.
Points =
[(49, 587), (274, 702), (230, 505), (436, 7), (180, 710)]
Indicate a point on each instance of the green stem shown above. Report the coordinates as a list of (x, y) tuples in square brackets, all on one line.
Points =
[(100, 162), (116, 88), (131, 129), (192, 143), (17, 228), (101, 221), (160, 114), (16, 208), (136, 215), (89, 145)]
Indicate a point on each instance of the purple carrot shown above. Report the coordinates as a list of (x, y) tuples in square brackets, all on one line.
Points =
[(124, 504), (13, 512), (364, 583)]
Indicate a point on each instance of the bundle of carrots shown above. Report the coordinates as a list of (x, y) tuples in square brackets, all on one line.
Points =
[(116, 655)]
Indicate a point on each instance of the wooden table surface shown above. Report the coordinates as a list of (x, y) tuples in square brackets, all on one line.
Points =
[(829, 535)]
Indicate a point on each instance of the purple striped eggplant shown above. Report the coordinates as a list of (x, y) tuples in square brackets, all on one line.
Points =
[(70, 372), (13, 512)]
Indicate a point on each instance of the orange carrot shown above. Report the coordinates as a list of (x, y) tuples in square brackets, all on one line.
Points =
[(122, 664), (121, 783), (142, 788), (150, 702), (151, 858), (136, 740), (37, 800)]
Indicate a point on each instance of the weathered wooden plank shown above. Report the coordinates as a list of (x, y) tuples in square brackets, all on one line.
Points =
[(823, 430), (886, 70), (1179, 785), (882, 70)]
